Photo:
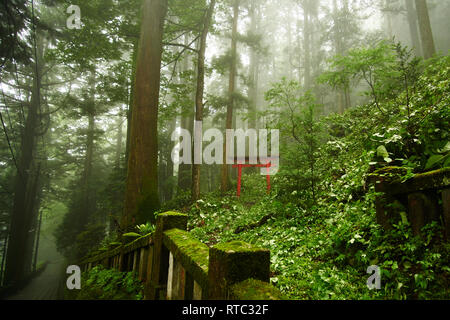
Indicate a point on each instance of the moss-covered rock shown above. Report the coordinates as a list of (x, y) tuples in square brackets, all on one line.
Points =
[(238, 246), (233, 262), (170, 220), (252, 289)]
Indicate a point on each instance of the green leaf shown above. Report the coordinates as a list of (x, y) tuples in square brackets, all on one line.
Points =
[(447, 162), (445, 149), (404, 217), (131, 235), (382, 152), (434, 160)]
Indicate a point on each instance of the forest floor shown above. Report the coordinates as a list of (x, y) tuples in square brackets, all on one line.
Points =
[(48, 284), (296, 238), (319, 252)]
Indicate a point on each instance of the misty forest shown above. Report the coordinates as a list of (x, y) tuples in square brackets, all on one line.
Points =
[(100, 100)]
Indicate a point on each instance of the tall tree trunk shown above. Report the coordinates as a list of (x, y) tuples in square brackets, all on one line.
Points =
[(22, 214), (299, 29), (199, 95), (387, 16), (34, 199), (119, 138), (289, 36), (347, 100), (170, 166), (426, 33), (141, 199), (307, 44), (337, 50), (38, 234), (131, 100), (390, 31), (315, 37), (254, 67), (412, 22), (343, 94), (184, 169), (254, 12), (162, 172), (88, 194), (231, 89), (187, 122)]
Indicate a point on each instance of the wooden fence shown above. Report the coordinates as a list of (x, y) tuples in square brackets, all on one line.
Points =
[(175, 266), (425, 198)]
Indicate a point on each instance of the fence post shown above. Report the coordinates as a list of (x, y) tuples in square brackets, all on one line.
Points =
[(446, 213), (233, 262), (422, 209), (157, 280)]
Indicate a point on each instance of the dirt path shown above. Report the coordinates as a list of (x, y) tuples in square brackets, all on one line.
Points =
[(46, 286)]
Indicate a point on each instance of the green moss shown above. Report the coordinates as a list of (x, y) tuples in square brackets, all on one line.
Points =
[(252, 289), (140, 242), (172, 214), (114, 244), (390, 178), (191, 253), (234, 262), (389, 174), (390, 170), (439, 175), (131, 235), (237, 246), (148, 202)]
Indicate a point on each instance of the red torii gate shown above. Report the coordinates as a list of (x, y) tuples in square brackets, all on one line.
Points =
[(244, 165)]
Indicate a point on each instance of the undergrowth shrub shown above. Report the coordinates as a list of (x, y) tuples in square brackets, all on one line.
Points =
[(107, 284)]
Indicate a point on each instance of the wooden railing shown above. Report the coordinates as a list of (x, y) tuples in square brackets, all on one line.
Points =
[(175, 266), (135, 256), (418, 196)]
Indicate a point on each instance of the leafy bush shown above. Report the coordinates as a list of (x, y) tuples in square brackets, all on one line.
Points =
[(322, 250), (145, 229), (107, 284)]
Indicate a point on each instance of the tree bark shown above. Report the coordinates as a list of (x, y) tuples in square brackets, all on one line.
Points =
[(315, 37), (254, 68), (426, 33), (119, 138), (412, 22), (131, 101), (22, 213), (344, 93), (231, 89), (307, 44), (88, 193), (187, 122), (199, 93), (33, 207), (141, 199), (170, 166)]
